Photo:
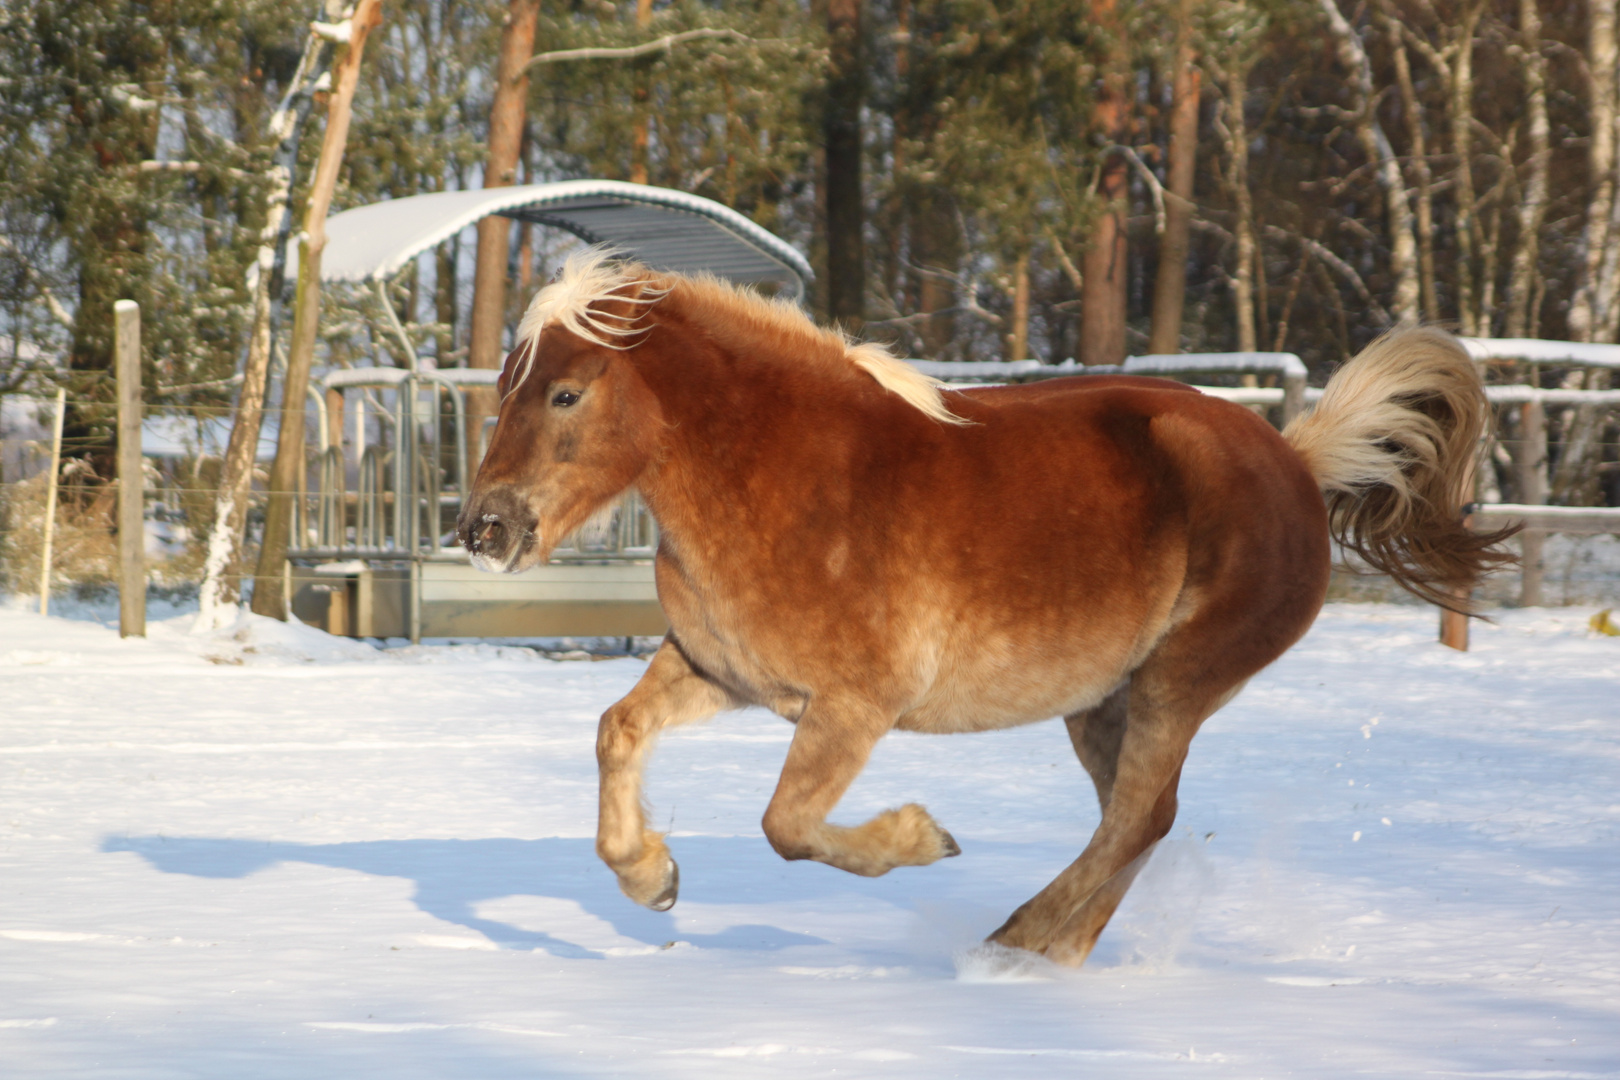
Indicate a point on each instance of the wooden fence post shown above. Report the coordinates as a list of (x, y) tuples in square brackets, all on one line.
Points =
[(50, 504), (1532, 469), (1454, 624), (131, 483)]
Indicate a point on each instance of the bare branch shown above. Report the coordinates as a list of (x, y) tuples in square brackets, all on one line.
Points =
[(1072, 271), (1152, 182), (52, 304), (967, 294), (212, 384), (1342, 268)]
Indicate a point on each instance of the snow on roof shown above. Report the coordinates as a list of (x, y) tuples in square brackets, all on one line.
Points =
[(666, 229)]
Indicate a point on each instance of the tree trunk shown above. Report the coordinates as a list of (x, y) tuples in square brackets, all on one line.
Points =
[(1584, 316), (846, 246), (1381, 155), (1170, 283), (1521, 320), (446, 258), (896, 210), (1018, 340), (1462, 147), (269, 591), (485, 348), (222, 565), (642, 97), (525, 252), (1490, 250), (1237, 180), (936, 244), (1531, 460), (1418, 151), (1103, 268)]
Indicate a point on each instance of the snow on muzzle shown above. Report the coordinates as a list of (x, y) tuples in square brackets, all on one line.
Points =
[(496, 527)]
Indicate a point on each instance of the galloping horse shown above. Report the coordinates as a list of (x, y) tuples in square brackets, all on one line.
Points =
[(856, 548)]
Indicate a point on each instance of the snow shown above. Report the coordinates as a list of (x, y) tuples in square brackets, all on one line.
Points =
[(661, 226), (266, 852), (1286, 364), (1536, 350)]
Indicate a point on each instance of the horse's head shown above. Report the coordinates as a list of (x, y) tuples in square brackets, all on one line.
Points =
[(576, 428)]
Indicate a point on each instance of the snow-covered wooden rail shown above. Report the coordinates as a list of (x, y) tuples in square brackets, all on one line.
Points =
[(1286, 368), (1587, 520), (1529, 405)]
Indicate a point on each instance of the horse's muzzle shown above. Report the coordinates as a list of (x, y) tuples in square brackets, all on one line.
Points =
[(496, 527)]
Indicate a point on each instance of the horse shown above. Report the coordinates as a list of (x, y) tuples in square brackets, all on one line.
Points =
[(859, 548)]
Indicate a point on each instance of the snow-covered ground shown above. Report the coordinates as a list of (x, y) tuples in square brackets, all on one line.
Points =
[(270, 853)]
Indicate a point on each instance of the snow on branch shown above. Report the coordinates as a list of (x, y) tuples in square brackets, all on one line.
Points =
[(337, 33), (130, 97), (630, 52)]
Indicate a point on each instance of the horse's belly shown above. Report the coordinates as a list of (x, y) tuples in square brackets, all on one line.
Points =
[(985, 696)]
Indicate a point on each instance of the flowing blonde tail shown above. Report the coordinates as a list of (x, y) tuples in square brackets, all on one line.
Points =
[(1392, 443)]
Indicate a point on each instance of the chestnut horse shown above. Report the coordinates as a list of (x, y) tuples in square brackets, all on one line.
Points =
[(852, 546)]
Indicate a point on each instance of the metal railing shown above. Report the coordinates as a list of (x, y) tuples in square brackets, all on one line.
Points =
[(406, 432)]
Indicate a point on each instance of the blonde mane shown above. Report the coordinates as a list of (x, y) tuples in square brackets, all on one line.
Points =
[(595, 275)]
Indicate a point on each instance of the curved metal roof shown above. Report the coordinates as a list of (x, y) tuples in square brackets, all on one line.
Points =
[(668, 230)]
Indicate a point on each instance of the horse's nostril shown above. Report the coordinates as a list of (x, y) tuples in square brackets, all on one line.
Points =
[(480, 533), (496, 527)]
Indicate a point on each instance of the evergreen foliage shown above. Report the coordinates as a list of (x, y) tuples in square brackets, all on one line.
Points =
[(133, 147)]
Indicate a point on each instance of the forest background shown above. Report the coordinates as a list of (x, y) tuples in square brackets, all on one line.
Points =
[(971, 180)]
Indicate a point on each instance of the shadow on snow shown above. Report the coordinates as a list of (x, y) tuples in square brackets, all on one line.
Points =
[(453, 876)]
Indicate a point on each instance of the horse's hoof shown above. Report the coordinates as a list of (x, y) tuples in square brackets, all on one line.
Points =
[(948, 845), (666, 899)]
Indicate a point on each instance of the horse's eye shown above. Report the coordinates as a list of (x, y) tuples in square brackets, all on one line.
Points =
[(564, 398)]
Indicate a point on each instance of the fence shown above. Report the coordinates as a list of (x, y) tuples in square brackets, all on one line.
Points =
[(382, 431)]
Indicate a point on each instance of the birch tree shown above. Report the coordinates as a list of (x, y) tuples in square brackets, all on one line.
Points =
[(1375, 144), (1532, 208), (1170, 281), (220, 589), (269, 589), (1586, 315)]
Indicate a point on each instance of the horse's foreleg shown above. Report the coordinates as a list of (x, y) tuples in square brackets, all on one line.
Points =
[(669, 693), (830, 747)]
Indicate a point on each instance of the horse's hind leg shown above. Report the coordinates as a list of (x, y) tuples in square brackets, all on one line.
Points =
[(1096, 735), (1078, 936), (1166, 700), (670, 692)]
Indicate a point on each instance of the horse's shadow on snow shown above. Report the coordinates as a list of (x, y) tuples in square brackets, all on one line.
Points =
[(453, 876)]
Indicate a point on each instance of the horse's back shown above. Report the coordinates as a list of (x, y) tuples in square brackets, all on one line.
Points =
[(1126, 436), (1159, 463)]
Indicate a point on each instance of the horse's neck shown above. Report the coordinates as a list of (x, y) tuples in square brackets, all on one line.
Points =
[(728, 420)]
